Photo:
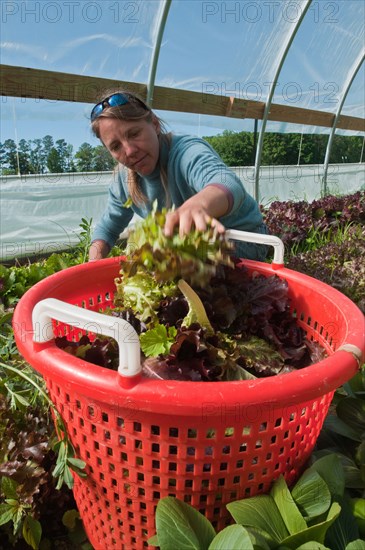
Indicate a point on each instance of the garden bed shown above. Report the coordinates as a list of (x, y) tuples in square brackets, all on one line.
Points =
[(324, 239)]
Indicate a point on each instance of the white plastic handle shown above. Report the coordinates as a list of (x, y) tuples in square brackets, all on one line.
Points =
[(119, 329), (260, 238)]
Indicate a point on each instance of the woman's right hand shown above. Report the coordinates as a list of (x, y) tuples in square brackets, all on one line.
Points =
[(98, 250), (198, 212)]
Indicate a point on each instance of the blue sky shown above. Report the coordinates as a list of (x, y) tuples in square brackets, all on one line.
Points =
[(226, 48)]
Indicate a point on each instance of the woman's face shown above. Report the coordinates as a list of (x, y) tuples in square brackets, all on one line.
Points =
[(133, 143)]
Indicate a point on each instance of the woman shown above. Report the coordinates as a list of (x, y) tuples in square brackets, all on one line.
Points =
[(176, 170)]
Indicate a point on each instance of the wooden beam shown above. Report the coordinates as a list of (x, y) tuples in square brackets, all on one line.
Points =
[(311, 117), (346, 122), (170, 99), (41, 84)]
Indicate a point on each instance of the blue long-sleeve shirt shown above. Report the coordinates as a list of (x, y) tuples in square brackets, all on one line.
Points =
[(192, 164)]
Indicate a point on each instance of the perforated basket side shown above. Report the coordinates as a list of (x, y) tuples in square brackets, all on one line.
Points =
[(134, 459)]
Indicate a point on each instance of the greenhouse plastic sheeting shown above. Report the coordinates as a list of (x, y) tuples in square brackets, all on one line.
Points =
[(41, 214), (303, 182), (231, 48)]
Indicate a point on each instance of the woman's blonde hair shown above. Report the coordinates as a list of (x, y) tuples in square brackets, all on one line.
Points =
[(135, 109)]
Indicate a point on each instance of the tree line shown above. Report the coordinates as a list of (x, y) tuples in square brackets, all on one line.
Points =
[(40, 156), (239, 148)]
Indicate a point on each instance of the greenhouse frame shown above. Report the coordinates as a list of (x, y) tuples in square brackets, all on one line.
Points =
[(180, 388), (288, 66)]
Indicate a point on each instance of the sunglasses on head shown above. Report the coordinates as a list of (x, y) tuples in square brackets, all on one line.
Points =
[(114, 100)]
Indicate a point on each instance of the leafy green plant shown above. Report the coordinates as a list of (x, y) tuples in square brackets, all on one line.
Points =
[(339, 263), (15, 509), (28, 438), (36, 460), (325, 239), (66, 460), (317, 239), (17, 279), (35, 463), (81, 251), (343, 433), (287, 520), (304, 226), (7, 343)]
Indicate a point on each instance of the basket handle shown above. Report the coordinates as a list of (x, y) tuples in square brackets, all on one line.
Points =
[(261, 238), (119, 329)]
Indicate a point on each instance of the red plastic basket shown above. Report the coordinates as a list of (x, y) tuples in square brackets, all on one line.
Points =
[(207, 443)]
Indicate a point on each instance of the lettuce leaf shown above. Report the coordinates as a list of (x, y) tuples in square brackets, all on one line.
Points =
[(142, 294), (157, 341), (193, 257)]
